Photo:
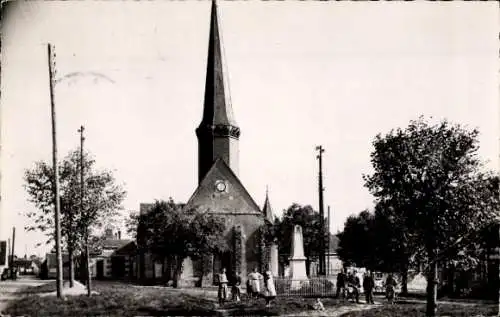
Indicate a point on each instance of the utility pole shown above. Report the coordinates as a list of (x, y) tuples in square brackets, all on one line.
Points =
[(82, 192), (328, 243), (321, 211), (9, 256), (12, 253), (52, 75)]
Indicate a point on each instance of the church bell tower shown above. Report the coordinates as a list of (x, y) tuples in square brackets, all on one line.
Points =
[(217, 133)]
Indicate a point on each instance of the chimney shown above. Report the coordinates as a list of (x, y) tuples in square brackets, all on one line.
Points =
[(109, 234), (119, 235)]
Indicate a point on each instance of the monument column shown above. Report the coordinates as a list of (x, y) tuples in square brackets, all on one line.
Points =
[(273, 259), (298, 260)]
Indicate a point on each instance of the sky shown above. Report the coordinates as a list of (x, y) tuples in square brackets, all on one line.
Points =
[(301, 74)]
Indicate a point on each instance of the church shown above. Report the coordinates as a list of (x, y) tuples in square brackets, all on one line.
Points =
[(220, 190)]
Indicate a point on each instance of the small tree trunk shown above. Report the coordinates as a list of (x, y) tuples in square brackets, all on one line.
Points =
[(432, 276), (404, 282), (87, 258), (451, 279), (71, 260)]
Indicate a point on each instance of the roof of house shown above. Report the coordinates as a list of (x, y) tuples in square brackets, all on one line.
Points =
[(114, 244), (128, 249), (24, 262)]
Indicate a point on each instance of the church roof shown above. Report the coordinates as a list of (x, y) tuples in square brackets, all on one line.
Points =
[(267, 210), (221, 191), (217, 106)]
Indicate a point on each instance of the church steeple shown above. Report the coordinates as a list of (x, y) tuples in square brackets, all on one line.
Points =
[(267, 210), (217, 133)]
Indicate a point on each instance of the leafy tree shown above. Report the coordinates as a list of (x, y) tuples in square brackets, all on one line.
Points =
[(397, 248), (102, 197), (356, 242), (432, 177), (309, 220), (132, 223), (378, 242), (169, 230)]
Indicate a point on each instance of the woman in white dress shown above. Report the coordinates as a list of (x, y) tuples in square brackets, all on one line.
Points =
[(270, 291), (254, 278)]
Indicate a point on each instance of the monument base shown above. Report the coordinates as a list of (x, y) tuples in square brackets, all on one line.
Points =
[(185, 282), (298, 273)]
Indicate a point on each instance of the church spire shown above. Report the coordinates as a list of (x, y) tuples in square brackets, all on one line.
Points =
[(267, 210), (217, 133), (218, 109)]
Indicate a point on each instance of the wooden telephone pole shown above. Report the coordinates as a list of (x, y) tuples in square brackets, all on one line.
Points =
[(321, 212), (82, 192), (52, 75), (12, 253), (328, 243)]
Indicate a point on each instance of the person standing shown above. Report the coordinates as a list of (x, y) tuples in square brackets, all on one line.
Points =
[(236, 291), (255, 277), (222, 294), (341, 279), (368, 285), (270, 290), (354, 283), (390, 288)]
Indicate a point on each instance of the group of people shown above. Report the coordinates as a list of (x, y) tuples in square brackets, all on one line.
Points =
[(253, 286), (349, 285)]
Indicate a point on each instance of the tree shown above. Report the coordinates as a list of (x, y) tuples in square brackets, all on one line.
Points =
[(309, 220), (132, 223), (357, 241), (102, 198), (171, 230), (432, 177), (377, 241)]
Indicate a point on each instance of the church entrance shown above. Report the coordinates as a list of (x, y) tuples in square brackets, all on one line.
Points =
[(223, 260)]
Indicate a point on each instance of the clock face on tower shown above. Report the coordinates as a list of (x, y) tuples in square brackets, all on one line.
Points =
[(220, 186)]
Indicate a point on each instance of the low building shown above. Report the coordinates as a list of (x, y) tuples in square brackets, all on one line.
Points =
[(50, 264), (4, 258), (26, 266), (107, 263)]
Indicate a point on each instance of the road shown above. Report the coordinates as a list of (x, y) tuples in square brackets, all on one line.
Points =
[(9, 288)]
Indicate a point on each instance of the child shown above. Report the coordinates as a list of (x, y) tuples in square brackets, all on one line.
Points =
[(319, 305), (270, 292)]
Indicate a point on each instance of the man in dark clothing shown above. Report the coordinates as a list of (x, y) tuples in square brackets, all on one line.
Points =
[(368, 285), (353, 281), (341, 279), (236, 289)]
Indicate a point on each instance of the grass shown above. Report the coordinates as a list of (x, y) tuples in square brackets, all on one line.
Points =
[(280, 306), (114, 300), (118, 299), (414, 310)]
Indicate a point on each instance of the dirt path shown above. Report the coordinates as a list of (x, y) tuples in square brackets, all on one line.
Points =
[(335, 311), (9, 288)]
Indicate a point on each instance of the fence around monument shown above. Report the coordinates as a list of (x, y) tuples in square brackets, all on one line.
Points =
[(313, 287)]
